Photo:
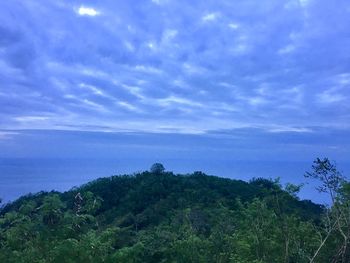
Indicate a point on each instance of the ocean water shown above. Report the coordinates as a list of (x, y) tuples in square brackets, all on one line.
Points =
[(19, 176)]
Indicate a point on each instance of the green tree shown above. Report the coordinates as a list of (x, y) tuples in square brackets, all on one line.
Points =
[(337, 215), (157, 168), (52, 210)]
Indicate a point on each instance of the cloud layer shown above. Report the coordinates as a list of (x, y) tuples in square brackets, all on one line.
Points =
[(175, 66)]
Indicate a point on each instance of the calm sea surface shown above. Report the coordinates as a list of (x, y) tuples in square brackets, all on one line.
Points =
[(20, 176)]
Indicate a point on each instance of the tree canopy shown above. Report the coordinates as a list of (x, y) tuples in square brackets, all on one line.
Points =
[(157, 168), (159, 216)]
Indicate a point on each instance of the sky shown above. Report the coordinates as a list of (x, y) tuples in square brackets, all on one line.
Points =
[(265, 79)]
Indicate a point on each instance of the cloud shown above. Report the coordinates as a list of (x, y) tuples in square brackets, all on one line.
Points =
[(158, 2), (176, 65), (210, 17), (193, 69), (290, 129), (328, 97), (304, 2), (178, 100), (343, 79), (87, 11), (169, 35), (93, 89), (287, 49), (128, 106), (147, 69), (31, 118), (233, 26)]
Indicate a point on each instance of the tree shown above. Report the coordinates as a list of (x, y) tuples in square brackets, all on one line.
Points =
[(327, 174), (161, 217), (157, 168), (337, 216), (52, 210)]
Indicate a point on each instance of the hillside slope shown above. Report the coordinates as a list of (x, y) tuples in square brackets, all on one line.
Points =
[(161, 217)]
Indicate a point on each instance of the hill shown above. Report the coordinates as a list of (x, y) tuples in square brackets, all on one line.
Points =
[(164, 217)]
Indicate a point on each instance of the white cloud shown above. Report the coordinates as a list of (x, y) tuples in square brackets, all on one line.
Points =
[(239, 49), (152, 45), (193, 69), (328, 97), (234, 26), (87, 11), (93, 89), (294, 95), (31, 118), (343, 79), (85, 103), (169, 35), (280, 129), (129, 46), (178, 100), (128, 106), (210, 17), (304, 3), (147, 69), (180, 83), (227, 85), (157, 2), (95, 106), (226, 107), (287, 49), (256, 101), (136, 91)]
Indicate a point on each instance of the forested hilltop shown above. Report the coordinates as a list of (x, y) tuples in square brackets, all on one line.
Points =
[(159, 216)]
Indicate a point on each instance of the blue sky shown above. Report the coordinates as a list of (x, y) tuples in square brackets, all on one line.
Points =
[(263, 79)]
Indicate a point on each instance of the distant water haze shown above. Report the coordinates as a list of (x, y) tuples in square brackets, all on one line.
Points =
[(32, 161)]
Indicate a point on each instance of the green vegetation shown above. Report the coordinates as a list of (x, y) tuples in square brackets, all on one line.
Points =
[(158, 216)]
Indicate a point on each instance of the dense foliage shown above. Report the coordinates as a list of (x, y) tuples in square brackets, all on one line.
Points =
[(158, 216)]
